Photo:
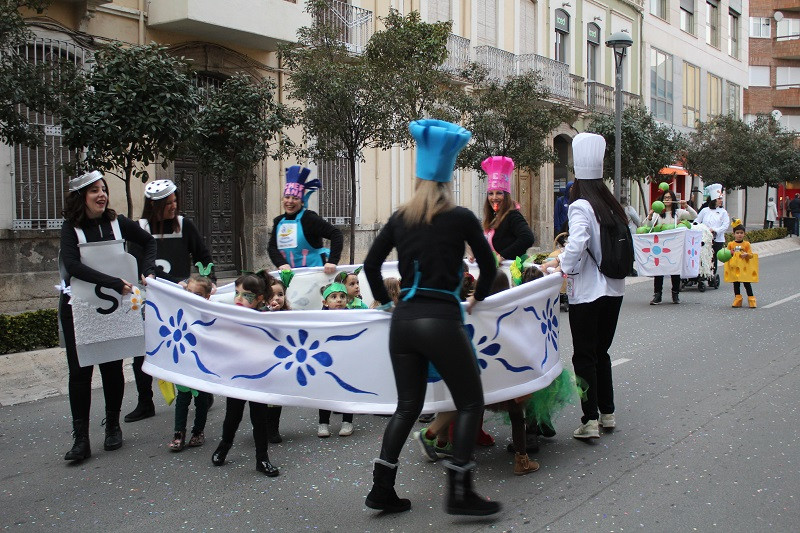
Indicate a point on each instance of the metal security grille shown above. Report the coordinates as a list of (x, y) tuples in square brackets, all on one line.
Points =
[(40, 183), (334, 197), (354, 25)]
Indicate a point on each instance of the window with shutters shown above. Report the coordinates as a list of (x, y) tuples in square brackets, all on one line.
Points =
[(40, 182), (691, 94), (687, 16), (661, 85), (733, 44), (659, 8), (712, 23), (714, 95), (527, 27), (487, 22), (439, 11), (334, 196), (733, 101)]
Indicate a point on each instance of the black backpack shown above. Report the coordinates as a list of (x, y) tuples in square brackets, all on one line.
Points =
[(616, 245)]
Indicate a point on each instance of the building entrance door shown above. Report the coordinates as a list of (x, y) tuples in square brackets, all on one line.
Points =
[(212, 207)]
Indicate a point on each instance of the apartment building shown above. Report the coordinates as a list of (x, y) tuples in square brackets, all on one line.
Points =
[(562, 39), (774, 79), (694, 66)]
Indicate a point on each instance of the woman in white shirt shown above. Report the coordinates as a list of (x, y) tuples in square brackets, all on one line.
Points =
[(595, 299), (671, 214), (716, 218)]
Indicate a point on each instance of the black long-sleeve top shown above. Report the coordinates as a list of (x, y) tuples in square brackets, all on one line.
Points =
[(100, 230), (194, 243), (438, 249), (315, 228), (513, 236)]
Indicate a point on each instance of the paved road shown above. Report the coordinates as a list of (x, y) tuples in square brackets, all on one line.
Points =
[(707, 439)]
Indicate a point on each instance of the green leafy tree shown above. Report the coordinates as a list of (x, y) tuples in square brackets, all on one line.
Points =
[(511, 118), (647, 145), (41, 88), (351, 103), (720, 150), (238, 128), (140, 107)]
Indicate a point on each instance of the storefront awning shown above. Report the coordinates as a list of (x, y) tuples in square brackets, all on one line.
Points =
[(673, 170)]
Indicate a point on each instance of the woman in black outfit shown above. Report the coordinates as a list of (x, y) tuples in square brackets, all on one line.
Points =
[(505, 228), (86, 212), (427, 327), (179, 245)]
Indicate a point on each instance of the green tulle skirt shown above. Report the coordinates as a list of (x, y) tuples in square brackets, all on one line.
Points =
[(544, 404)]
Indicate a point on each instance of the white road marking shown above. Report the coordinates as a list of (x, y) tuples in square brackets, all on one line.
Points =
[(619, 361), (779, 302)]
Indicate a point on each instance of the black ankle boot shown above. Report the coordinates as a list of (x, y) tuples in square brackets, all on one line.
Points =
[(675, 298), (656, 299), (113, 432), (382, 496), (265, 467), (461, 499), (219, 455), (273, 421), (80, 449), (144, 409)]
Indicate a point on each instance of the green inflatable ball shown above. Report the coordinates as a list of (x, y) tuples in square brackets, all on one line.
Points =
[(687, 225), (664, 186), (724, 255), (669, 226), (658, 227), (642, 229), (658, 206)]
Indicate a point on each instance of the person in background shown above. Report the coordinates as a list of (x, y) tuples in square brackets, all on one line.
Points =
[(794, 208), (561, 209), (772, 213), (716, 218)]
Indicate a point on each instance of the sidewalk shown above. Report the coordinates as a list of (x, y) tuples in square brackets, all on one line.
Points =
[(30, 376)]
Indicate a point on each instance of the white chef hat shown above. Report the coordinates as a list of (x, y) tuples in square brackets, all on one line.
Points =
[(159, 189), (82, 181), (713, 191), (588, 150)]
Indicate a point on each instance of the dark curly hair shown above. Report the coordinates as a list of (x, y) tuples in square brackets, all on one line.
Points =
[(75, 206)]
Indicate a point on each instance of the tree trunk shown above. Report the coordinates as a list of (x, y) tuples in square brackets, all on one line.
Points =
[(641, 194), (128, 172), (240, 225), (744, 212), (351, 157)]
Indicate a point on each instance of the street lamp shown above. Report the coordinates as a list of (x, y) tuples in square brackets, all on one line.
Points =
[(620, 42)]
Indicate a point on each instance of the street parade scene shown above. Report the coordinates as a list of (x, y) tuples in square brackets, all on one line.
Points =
[(188, 346)]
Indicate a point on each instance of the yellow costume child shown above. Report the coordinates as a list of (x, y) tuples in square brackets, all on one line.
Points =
[(742, 266)]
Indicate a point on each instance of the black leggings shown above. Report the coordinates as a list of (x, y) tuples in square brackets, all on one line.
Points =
[(80, 378), (658, 283), (747, 288), (412, 344), (234, 411), (144, 382)]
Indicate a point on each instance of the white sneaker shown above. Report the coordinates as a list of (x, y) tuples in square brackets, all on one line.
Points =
[(589, 430), (323, 431), (607, 421), (346, 430)]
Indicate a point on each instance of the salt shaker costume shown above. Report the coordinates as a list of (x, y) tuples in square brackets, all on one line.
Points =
[(296, 239), (513, 236), (595, 299), (427, 325), (101, 233)]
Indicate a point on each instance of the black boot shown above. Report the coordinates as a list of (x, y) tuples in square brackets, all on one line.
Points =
[(80, 450), (461, 499), (675, 298), (113, 432), (382, 496), (264, 466), (219, 455), (144, 409), (273, 421), (656, 299)]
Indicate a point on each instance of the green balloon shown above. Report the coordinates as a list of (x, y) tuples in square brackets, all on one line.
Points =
[(664, 186), (724, 255), (669, 226), (642, 229), (658, 206)]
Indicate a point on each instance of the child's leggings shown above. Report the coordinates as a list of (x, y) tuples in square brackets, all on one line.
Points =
[(234, 410), (325, 417), (182, 402), (747, 288)]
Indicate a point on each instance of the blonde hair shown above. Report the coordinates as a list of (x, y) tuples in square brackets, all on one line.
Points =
[(430, 198)]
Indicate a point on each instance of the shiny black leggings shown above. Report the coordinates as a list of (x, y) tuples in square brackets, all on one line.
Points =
[(80, 377), (412, 344)]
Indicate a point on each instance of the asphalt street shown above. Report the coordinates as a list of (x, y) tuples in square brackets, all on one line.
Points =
[(706, 440)]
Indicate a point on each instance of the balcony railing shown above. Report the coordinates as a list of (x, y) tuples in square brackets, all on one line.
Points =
[(576, 89), (555, 74), (500, 63), (599, 97), (457, 54), (354, 25), (630, 100)]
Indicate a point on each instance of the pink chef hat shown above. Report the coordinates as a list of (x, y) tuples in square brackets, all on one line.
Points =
[(498, 168)]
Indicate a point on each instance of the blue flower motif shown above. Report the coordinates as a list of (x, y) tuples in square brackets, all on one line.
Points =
[(175, 334), (304, 357), (548, 322)]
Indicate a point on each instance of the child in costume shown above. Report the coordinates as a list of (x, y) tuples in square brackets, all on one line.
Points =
[(334, 296), (741, 247), (252, 292), (200, 285), (278, 302), (350, 280)]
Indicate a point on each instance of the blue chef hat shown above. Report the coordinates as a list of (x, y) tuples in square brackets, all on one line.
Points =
[(438, 145)]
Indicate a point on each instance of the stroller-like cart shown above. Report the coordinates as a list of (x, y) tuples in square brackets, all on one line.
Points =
[(708, 275)]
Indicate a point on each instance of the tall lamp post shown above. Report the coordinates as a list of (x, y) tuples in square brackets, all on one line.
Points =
[(619, 42)]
